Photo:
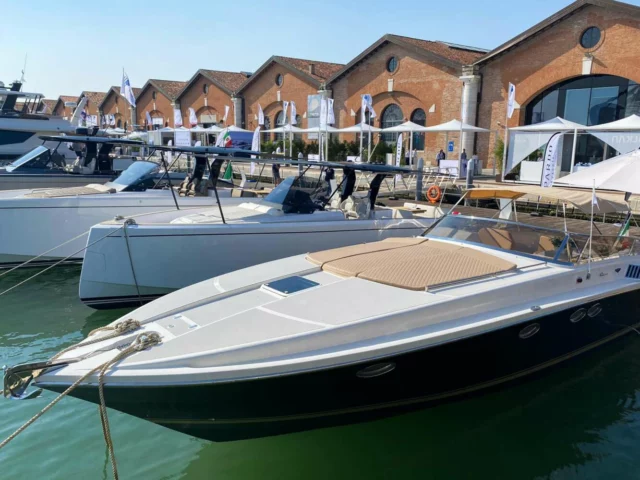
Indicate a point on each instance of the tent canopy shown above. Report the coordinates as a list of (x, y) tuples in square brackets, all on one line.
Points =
[(214, 129), (405, 127), (360, 127), (284, 129), (329, 129), (625, 124), (621, 173), (607, 202), (199, 129), (233, 128), (554, 125), (455, 126)]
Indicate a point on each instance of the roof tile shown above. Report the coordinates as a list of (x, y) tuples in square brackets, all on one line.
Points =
[(454, 53), (229, 80), (321, 70), (170, 87)]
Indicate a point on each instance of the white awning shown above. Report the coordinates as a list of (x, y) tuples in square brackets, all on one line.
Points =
[(361, 127), (455, 126), (554, 125), (285, 129), (329, 129), (625, 124), (623, 135), (405, 127)]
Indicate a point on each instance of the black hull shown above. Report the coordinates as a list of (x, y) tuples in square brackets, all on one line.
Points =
[(421, 378)]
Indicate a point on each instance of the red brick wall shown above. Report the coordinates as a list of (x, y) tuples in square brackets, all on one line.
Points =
[(145, 103), (216, 100), (554, 56), (61, 111), (416, 84), (118, 106), (263, 91)]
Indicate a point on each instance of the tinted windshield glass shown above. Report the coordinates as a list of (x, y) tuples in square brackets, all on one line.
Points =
[(137, 172), (300, 194), (36, 158), (514, 237)]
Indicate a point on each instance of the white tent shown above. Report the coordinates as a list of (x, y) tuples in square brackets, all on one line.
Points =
[(199, 129), (361, 127), (214, 129), (621, 173), (285, 129), (233, 128), (406, 127), (455, 126), (166, 130), (329, 129), (623, 135), (525, 140)]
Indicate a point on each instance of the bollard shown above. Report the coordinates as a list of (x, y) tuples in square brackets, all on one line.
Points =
[(420, 168), (469, 180)]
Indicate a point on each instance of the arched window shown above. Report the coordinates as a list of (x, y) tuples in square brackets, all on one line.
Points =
[(418, 117), (267, 125), (119, 123), (279, 123), (391, 116), (205, 89)]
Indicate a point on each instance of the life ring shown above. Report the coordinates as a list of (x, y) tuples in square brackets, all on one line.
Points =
[(434, 194)]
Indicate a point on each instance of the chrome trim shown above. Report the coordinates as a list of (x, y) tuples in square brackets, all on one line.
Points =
[(529, 331)]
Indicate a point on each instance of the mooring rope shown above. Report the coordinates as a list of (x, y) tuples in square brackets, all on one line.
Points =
[(142, 341), (59, 262)]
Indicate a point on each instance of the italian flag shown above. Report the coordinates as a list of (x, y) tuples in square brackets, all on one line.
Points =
[(226, 140)]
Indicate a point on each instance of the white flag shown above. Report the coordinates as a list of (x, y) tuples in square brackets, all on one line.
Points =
[(367, 103), (260, 115), (148, 118), (193, 119), (550, 161), (323, 113), (126, 91), (331, 118), (293, 114), (399, 156), (177, 118), (255, 146), (112, 120), (511, 103), (285, 106), (226, 113)]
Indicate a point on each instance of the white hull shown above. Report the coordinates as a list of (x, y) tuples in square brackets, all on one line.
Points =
[(18, 182), (32, 226), (19, 128), (168, 257)]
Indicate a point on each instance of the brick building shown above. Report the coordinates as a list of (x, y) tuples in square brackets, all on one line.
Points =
[(94, 100), (280, 79), (158, 97), (409, 79), (579, 64), (59, 108), (115, 104), (208, 92)]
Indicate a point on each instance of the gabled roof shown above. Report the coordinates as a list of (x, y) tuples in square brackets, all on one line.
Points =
[(116, 91), (552, 21), (454, 56), (93, 97), (300, 67), (63, 99), (169, 88), (228, 82)]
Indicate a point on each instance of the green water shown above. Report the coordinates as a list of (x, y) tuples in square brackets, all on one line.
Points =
[(581, 420)]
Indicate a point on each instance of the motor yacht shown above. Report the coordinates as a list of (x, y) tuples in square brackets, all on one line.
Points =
[(359, 332), (21, 124), (144, 257), (52, 224)]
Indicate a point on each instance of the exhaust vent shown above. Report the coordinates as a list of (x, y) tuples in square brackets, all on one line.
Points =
[(633, 271)]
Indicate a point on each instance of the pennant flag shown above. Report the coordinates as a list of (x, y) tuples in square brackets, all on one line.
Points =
[(399, 156), (331, 119), (193, 119), (126, 91), (285, 106), (177, 117), (148, 118), (511, 103), (293, 113), (260, 115), (367, 103), (226, 113), (83, 118), (323, 113), (550, 161), (255, 146)]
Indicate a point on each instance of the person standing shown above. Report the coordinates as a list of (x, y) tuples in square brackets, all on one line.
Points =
[(275, 172), (407, 158), (441, 156), (463, 155)]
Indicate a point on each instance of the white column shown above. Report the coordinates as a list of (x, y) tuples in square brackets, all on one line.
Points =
[(237, 111), (471, 87)]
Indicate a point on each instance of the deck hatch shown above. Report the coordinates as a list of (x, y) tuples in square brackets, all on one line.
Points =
[(290, 285), (633, 271)]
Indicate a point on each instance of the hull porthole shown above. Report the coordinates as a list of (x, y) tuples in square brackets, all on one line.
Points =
[(578, 315), (529, 331), (376, 370), (594, 310)]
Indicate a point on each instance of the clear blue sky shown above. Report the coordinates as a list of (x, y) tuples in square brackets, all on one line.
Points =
[(83, 45)]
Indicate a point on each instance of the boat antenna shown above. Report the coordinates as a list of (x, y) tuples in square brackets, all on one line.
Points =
[(24, 68)]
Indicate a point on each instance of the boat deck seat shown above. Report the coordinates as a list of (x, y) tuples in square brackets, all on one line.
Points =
[(417, 266), (92, 189), (325, 256)]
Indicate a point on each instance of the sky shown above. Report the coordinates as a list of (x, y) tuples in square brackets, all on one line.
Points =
[(74, 45)]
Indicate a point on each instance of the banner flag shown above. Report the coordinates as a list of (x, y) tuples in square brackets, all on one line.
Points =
[(126, 91), (293, 120), (255, 146), (226, 113), (323, 113), (331, 119), (193, 119), (285, 106), (148, 118), (177, 118), (398, 156), (511, 104), (260, 116), (550, 161)]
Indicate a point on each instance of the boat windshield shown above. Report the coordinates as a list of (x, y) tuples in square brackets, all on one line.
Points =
[(546, 244), (140, 175), (39, 157), (300, 194)]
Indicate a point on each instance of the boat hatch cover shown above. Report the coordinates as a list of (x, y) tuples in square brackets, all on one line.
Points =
[(289, 285)]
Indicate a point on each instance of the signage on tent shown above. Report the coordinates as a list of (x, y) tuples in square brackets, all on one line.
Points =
[(451, 145)]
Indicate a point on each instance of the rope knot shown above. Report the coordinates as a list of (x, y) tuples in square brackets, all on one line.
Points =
[(128, 325), (146, 340)]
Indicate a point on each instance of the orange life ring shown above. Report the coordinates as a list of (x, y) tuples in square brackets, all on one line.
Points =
[(434, 194)]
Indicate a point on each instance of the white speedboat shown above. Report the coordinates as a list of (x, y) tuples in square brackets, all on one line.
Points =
[(50, 223), (157, 253), (21, 124), (361, 332)]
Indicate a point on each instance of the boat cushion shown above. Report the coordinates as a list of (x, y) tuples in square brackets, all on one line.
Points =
[(92, 189), (411, 265)]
